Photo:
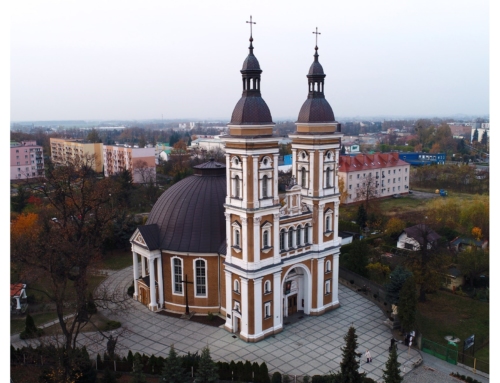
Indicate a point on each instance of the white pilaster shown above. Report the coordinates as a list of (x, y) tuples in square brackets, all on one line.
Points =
[(256, 182), (320, 173), (311, 173), (244, 181), (256, 239), (153, 306), (244, 307), (229, 236), (321, 223), (136, 273), (228, 179), (336, 240), (244, 240), (160, 282), (257, 305), (276, 236), (277, 310), (294, 163), (320, 282), (275, 178), (335, 279), (143, 266), (229, 301)]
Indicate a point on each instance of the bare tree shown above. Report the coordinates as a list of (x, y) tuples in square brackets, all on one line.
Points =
[(367, 191)]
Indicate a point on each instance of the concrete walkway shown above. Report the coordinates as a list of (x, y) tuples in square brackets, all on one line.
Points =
[(310, 346)]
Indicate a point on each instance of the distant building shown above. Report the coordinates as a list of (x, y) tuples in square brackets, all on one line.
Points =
[(390, 174), (64, 151), (485, 128), (162, 151), (208, 143), (26, 160), (139, 161), (421, 159)]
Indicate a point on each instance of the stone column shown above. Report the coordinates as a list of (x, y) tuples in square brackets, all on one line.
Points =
[(275, 179), (136, 273), (228, 179), (153, 306), (311, 191), (257, 306), (256, 182), (143, 266), (229, 301), (244, 181), (276, 238), (244, 307), (294, 163), (321, 224), (160, 281), (320, 283), (320, 173), (256, 240), (335, 279), (244, 240), (277, 309), (229, 235)]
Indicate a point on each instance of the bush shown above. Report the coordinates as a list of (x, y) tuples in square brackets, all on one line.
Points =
[(319, 379), (130, 290), (30, 329), (306, 379), (112, 325), (210, 316), (276, 377)]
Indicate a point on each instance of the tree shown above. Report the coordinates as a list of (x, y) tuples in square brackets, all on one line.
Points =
[(142, 141), (472, 262), (362, 217), (207, 370), (276, 377), (173, 372), (108, 377), (264, 373), (137, 374), (356, 259), (19, 201), (350, 365), (61, 254), (392, 373), (475, 136), (397, 279), (407, 306), (367, 191), (484, 138), (343, 191), (394, 226), (342, 150), (93, 136)]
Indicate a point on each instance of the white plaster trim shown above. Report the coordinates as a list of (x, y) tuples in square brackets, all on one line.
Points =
[(206, 278), (173, 276)]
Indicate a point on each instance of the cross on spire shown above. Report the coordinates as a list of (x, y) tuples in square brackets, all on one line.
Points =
[(251, 22), (317, 33)]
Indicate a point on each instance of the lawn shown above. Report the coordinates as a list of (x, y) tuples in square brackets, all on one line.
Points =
[(116, 259), (17, 324), (448, 314)]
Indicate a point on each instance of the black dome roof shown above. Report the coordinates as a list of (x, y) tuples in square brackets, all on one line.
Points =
[(316, 110), (251, 63), (316, 68), (190, 214), (251, 110)]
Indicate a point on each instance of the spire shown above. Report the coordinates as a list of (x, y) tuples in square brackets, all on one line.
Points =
[(250, 48)]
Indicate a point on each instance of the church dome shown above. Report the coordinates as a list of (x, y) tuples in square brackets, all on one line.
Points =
[(190, 214)]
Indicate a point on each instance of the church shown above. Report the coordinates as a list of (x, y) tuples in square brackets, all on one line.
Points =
[(224, 241)]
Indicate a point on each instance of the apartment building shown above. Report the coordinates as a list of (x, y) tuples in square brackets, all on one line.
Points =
[(64, 151), (139, 161), (26, 160), (386, 173)]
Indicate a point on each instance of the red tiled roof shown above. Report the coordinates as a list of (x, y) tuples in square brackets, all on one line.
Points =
[(370, 161), (15, 289)]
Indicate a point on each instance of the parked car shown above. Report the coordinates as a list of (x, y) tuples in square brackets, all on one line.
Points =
[(396, 196)]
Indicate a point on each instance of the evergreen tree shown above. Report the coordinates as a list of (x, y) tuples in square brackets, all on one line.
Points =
[(207, 370), (130, 360), (484, 138), (362, 216), (256, 372), (264, 373), (392, 373), (108, 377), (475, 136), (276, 377), (247, 372), (397, 279), (350, 365), (173, 372), (407, 306), (342, 151), (138, 375)]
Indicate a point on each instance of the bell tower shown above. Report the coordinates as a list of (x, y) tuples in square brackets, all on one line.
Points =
[(315, 158), (252, 204)]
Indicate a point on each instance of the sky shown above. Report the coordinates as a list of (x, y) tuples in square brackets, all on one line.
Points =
[(119, 60)]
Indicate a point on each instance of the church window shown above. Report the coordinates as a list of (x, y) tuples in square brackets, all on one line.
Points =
[(282, 240), (265, 239), (306, 234), (303, 156), (327, 177), (201, 285), (264, 186), (267, 287), (237, 187), (290, 238), (236, 286), (267, 310), (327, 287), (177, 269), (237, 241), (328, 224), (303, 177), (328, 266), (236, 306), (299, 234)]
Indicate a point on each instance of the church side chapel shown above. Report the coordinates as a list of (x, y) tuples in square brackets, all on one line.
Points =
[(223, 240)]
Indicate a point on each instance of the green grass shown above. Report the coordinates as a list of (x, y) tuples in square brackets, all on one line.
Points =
[(447, 314), (17, 324), (117, 259)]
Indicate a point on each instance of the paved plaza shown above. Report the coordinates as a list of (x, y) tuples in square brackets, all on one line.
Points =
[(310, 346)]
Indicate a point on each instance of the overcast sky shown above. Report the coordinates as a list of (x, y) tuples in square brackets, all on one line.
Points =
[(181, 59)]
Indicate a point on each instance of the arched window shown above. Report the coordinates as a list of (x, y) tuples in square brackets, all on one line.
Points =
[(201, 278), (236, 286), (237, 238), (328, 223), (328, 266), (290, 238), (267, 287), (303, 177), (306, 234), (327, 177), (265, 239), (299, 234), (177, 270), (264, 187), (237, 187), (282, 240)]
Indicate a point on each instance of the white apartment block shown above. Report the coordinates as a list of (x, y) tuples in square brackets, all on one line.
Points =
[(26, 160), (388, 173)]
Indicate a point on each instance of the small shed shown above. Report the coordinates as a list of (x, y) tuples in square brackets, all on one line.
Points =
[(18, 298)]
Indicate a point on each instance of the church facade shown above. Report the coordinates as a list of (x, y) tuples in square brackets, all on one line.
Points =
[(226, 241)]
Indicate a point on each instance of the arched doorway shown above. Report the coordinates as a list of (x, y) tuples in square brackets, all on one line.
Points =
[(296, 290)]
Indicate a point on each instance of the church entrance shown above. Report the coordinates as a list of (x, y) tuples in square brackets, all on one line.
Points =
[(236, 324), (292, 304)]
